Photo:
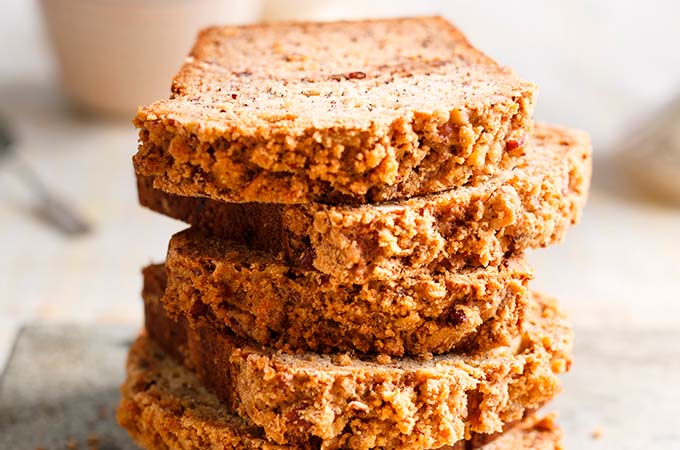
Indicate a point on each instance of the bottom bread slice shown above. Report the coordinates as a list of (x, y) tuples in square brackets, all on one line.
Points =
[(165, 407), (343, 402)]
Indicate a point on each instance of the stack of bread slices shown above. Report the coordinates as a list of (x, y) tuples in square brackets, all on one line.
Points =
[(360, 196)]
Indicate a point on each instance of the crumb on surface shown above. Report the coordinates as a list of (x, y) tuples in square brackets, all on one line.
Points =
[(596, 433), (547, 423), (93, 441), (103, 412)]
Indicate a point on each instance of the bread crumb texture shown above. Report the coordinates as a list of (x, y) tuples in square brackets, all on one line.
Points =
[(361, 404), (213, 281), (529, 206)]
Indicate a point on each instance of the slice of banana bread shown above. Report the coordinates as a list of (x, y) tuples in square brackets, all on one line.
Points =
[(165, 407), (360, 111), (213, 280), (530, 206), (343, 402)]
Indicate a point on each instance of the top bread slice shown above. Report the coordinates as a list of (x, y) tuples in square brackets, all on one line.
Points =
[(341, 112)]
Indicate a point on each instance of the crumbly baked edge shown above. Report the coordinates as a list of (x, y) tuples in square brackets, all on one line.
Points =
[(355, 404), (418, 154), (424, 415), (210, 280), (357, 244), (481, 229), (165, 407)]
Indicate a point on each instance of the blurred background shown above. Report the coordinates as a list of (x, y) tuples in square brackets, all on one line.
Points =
[(73, 71)]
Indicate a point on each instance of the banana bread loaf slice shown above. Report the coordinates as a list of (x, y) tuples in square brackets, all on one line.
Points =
[(344, 402), (213, 280), (529, 206), (165, 407), (360, 111)]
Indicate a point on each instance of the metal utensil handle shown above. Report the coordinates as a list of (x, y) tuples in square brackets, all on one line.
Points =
[(52, 209)]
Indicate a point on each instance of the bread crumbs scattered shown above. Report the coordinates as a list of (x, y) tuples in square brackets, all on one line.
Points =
[(93, 441)]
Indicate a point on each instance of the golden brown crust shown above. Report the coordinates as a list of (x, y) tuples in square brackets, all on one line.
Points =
[(165, 407), (353, 403), (256, 296), (292, 113), (530, 206)]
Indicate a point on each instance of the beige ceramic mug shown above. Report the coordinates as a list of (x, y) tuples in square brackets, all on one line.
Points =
[(117, 54)]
